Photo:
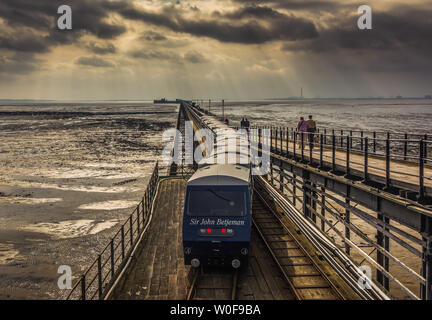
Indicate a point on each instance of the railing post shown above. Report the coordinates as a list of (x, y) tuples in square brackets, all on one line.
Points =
[(374, 142), (387, 157), (138, 221), (325, 135), (122, 242), (131, 230), (341, 138), (99, 266), (306, 191), (425, 148), (83, 287), (310, 149), (294, 146), (112, 258), (333, 153), (366, 160), (421, 172), (348, 150), (294, 189), (406, 146), (271, 139), (302, 146), (281, 141), (321, 165), (351, 134), (287, 142), (323, 200), (259, 138), (361, 140)]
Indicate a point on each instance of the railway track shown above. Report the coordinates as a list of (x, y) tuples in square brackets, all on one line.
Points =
[(304, 276), (212, 283)]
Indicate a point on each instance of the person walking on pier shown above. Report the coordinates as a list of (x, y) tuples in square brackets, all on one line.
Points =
[(311, 130), (243, 123), (302, 127)]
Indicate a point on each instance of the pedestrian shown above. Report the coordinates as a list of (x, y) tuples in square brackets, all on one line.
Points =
[(242, 123), (302, 127), (311, 131), (226, 121)]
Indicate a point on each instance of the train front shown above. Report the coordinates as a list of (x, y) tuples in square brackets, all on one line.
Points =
[(216, 220)]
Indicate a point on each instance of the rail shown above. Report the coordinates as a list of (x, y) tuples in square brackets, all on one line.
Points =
[(96, 281), (398, 146), (341, 159)]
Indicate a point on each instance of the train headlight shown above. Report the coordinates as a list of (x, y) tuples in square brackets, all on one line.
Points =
[(244, 251), (236, 263), (195, 263)]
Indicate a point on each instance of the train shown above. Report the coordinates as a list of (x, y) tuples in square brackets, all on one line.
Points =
[(217, 211)]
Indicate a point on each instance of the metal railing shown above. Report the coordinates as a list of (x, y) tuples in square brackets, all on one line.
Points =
[(103, 272), (346, 222), (399, 146), (320, 149)]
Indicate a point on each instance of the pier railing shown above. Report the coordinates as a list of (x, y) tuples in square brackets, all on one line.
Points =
[(96, 281), (398, 252), (338, 152), (396, 145)]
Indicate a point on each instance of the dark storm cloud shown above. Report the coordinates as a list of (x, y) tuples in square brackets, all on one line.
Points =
[(251, 25), (40, 18), (25, 43), (155, 55), (195, 57), (297, 4), (153, 36), (20, 63), (101, 48), (94, 62), (396, 30)]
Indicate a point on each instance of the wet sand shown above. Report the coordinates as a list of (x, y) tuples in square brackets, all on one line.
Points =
[(68, 175)]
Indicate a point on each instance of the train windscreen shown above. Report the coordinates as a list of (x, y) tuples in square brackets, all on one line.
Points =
[(217, 203)]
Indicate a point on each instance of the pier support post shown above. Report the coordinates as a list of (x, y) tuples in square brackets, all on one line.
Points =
[(323, 201), (426, 226), (306, 191), (333, 170), (294, 184), (383, 241), (347, 219), (314, 206)]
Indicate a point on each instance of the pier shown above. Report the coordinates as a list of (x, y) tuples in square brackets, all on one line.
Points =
[(319, 215)]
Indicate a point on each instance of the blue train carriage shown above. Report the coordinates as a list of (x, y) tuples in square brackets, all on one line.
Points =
[(217, 216)]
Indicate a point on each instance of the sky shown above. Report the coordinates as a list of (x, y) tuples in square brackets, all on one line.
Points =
[(214, 49)]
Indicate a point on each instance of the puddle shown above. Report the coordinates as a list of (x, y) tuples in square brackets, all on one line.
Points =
[(72, 228), (7, 253), (29, 201), (109, 205)]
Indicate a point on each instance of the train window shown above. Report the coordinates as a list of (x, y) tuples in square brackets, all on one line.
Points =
[(217, 203)]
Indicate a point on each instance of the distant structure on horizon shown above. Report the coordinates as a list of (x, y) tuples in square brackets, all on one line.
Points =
[(428, 96), (164, 100)]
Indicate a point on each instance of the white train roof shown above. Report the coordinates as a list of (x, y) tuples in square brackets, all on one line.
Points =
[(221, 175)]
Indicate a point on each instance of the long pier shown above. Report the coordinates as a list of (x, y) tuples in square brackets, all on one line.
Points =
[(322, 217)]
